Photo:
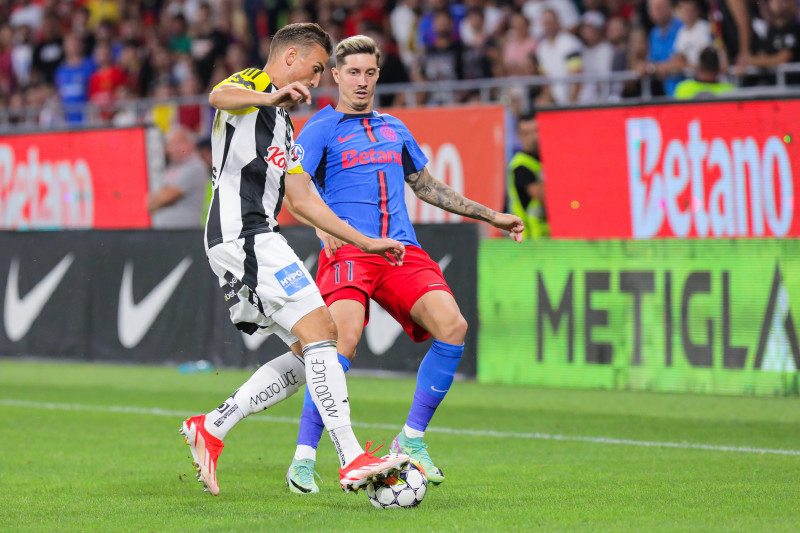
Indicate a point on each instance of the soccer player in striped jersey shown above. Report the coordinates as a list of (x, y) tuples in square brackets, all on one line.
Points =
[(265, 284), (360, 161)]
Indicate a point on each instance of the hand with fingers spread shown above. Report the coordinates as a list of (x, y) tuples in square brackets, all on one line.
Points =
[(390, 249), (329, 242), (511, 223), (293, 94)]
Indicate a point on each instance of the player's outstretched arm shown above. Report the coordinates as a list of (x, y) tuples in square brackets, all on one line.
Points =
[(329, 242), (230, 97), (430, 190), (310, 207)]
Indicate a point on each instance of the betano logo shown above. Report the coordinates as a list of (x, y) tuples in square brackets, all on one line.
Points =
[(752, 196), (351, 158)]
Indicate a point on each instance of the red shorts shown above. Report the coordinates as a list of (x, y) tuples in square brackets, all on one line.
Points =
[(355, 275)]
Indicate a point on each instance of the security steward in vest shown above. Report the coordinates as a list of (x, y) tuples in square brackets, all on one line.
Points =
[(524, 183)]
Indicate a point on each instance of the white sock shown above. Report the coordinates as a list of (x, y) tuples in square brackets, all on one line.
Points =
[(328, 389), (304, 451), (273, 382), (412, 433)]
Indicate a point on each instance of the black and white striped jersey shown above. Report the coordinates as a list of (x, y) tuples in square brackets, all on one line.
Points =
[(251, 151)]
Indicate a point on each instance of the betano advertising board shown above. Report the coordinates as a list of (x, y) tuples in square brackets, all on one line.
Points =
[(668, 315), (74, 179), (690, 170)]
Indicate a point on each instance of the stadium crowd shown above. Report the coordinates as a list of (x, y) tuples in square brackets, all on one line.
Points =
[(58, 55)]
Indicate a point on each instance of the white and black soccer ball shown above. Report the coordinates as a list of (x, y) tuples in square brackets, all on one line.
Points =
[(406, 489)]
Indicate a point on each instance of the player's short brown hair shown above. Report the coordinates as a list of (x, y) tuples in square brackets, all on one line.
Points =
[(303, 34), (358, 44)]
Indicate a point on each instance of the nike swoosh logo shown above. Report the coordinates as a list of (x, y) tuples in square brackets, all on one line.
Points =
[(343, 139), (134, 320), (252, 342), (20, 313), (437, 390), (383, 330)]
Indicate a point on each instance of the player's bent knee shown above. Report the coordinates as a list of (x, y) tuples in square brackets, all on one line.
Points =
[(316, 326), (454, 330)]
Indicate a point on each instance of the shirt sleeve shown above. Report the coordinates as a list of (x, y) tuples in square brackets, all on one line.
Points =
[(414, 159), (251, 78), (310, 146)]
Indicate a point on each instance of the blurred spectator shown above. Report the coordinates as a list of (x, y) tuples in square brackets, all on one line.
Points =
[(693, 37), (732, 29), (597, 56), (782, 41), (706, 82), (208, 44), (130, 61), (558, 55), (617, 33), (190, 116), (443, 60), (662, 44), (179, 202), (26, 13), (519, 48), (49, 53), (392, 68), (525, 184), (72, 79), (105, 81), (565, 11), (482, 58), (8, 78), (163, 113), (492, 17), (22, 55), (404, 20), (637, 61), (427, 32), (102, 11), (179, 40)]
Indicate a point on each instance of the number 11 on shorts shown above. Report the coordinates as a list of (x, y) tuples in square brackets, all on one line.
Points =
[(349, 271)]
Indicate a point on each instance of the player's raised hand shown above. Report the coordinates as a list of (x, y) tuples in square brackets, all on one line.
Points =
[(293, 94), (511, 223), (329, 242), (391, 250)]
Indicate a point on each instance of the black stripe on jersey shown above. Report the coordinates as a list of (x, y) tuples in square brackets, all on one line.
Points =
[(214, 228), (383, 205), (322, 170), (368, 130), (253, 176), (279, 203), (250, 277), (408, 164)]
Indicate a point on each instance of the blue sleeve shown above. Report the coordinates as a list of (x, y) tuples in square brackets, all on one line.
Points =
[(310, 145), (414, 159)]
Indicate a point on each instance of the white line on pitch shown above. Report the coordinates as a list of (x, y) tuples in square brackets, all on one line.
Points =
[(449, 431)]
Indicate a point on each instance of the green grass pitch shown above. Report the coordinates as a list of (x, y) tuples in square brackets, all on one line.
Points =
[(95, 447)]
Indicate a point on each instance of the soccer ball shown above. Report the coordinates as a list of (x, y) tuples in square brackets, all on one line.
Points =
[(406, 489)]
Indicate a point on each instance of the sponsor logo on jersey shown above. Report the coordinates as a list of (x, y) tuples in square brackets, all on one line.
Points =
[(351, 158), (276, 156), (388, 133), (299, 152), (292, 278)]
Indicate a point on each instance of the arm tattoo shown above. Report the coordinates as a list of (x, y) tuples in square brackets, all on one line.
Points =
[(429, 189)]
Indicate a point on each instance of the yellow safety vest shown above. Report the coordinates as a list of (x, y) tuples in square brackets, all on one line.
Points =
[(533, 216)]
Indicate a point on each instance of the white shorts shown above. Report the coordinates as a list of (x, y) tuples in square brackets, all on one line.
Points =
[(267, 287)]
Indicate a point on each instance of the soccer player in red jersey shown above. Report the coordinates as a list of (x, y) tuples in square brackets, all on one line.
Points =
[(360, 161)]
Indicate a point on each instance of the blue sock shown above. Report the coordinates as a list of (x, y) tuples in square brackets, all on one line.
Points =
[(311, 426), (434, 377)]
